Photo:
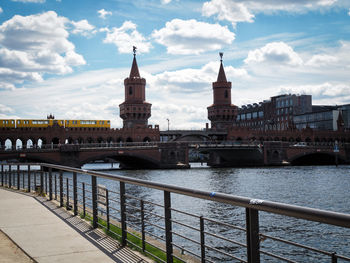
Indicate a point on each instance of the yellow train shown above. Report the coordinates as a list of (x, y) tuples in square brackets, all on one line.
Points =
[(43, 123)]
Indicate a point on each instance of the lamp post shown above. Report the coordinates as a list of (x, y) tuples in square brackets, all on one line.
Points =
[(168, 123)]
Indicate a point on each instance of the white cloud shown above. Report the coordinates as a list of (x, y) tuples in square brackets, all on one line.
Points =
[(236, 11), (125, 37), (192, 37), (103, 13), (325, 93), (349, 12), (1, 10), (31, 46), (29, 1), (5, 109), (83, 28), (321, 60), (274, 53), (165, 2)]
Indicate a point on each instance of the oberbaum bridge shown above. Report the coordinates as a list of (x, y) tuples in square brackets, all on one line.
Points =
[(253, 135)]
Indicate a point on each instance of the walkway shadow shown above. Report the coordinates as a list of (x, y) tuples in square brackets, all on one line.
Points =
[(106, 244)]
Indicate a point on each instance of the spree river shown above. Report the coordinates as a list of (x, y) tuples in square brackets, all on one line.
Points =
[(323, 187)]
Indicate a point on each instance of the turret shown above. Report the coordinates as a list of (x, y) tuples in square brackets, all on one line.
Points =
[(135, 111), (222, 113)]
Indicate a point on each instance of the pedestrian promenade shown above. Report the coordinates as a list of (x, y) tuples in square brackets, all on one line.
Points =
[(47, 233)]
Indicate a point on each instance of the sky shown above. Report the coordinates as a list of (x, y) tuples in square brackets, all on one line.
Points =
[(70, 58)]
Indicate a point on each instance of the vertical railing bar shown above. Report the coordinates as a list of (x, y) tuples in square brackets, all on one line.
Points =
[(10, 177), (23, 176), (2, 175), (107, 209), (45, 183), (94, 201), (143, 225), (122, 212), (67, 194), (75, 194), (334, 257), (168, 228), (50, 183), (18, 176), (202, 238), (55, 186), (84, 211), (252, 226), (61, 188), (35, 186), (28, 178), (41, 181)]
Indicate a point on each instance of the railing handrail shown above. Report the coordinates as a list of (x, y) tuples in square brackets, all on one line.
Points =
[(312, 214)]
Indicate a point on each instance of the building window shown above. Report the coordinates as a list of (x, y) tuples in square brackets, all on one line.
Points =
[(130, 90), (226, 94)]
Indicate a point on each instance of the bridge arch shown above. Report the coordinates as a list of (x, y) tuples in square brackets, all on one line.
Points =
[(316, 158), (192, 138), (9, 143), (130, 161)]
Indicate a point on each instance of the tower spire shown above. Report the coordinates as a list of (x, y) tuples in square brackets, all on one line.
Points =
[(221, 75), (134, 72)]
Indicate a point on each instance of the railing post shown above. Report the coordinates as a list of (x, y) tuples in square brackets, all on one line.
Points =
[(122, 212), (61, 188), (202, 238), (2, 175), (253, 243), (334, 257), (168, 229), (18, 177), (45, 183), (55, 187), (10, 177), (41, 182), (107, 209), (67, 194), (143, 226), (28, 178), (23, 173), (75, 194), (50, 183), (84, 211), (94, 201)]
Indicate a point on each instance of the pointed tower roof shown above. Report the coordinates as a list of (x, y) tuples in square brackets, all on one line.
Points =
[(222, 75), (134, 72)]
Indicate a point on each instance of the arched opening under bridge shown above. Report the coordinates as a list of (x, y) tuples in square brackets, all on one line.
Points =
[(317, 159)]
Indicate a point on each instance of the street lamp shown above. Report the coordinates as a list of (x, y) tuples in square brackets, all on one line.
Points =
[(168, 123)]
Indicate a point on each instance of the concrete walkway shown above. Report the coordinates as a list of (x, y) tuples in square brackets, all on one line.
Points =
[(47, 235)]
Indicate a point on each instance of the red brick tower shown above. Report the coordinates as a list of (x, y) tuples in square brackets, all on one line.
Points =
[(135, 111), (222, 113)]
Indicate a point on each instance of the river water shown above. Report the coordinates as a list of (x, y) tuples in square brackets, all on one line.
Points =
[(323, 187)]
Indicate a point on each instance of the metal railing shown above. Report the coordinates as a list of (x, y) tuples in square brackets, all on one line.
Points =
[(166, 233)]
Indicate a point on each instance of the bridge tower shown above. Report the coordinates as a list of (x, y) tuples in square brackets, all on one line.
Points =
[(135, 111), (222, 113)]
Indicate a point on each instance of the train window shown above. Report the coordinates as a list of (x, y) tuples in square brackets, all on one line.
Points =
[(108, 122), (12, 122)]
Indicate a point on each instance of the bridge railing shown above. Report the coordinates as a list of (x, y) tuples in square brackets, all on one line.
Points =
[(165, 232)]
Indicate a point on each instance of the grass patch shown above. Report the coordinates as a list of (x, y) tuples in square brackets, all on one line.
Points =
[(116, 232)]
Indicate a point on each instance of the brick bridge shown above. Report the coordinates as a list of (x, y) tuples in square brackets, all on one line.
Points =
[(175, 154), (230, 154), (132, 155)]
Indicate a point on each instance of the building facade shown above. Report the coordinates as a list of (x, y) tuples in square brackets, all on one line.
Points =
[(274, 114)]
